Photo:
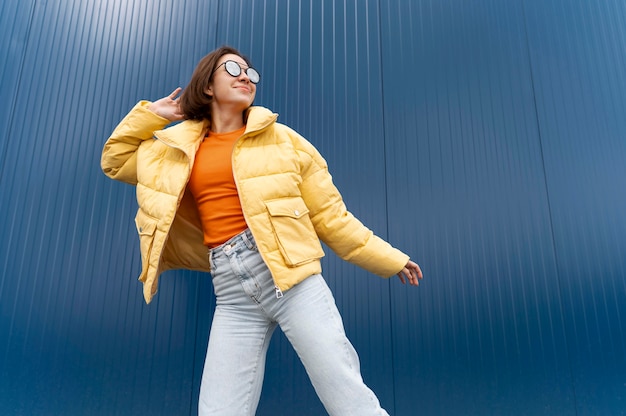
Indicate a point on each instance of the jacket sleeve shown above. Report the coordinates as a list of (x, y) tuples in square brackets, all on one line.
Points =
[(336, 226), (119, 156)]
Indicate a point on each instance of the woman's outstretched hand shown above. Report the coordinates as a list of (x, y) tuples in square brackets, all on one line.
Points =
[(168, 107), (412, 273)]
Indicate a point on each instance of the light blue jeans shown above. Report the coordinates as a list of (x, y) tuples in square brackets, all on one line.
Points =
[(246, 314)]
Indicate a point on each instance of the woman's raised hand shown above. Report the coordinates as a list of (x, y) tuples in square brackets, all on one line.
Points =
[(168, 107)]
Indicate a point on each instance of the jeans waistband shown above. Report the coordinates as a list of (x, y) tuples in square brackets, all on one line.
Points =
[(242, 240)]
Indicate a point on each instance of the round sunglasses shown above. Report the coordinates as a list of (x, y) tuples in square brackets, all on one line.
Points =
[(234, 69)]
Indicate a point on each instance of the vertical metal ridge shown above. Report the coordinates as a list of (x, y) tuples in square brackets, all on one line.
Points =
[(559, 274)]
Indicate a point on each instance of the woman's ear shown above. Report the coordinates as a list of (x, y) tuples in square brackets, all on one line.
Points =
[(209, 91)]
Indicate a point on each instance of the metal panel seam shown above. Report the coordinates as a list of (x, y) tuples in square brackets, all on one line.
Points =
[(4, 149), (386, 192), (550, 214)]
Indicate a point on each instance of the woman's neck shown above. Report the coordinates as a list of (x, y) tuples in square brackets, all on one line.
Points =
[(223, 123)]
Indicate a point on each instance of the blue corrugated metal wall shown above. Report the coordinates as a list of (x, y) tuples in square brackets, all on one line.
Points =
[(485, 138)]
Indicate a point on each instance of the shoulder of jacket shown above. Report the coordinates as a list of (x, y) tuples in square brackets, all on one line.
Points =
[(307, 152), (287, 133)]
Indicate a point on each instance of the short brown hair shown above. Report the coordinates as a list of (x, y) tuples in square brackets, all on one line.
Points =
[(194, 101)]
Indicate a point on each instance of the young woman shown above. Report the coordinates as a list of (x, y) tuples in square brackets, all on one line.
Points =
[(259, 196)]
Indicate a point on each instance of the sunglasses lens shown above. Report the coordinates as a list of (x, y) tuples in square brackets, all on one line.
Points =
[(232, 68), (253, 75)]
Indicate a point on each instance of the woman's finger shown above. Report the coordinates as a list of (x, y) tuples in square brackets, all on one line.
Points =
[(175, 93)]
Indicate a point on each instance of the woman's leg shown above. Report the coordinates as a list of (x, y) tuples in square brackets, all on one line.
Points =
[(309, 318), (240, 334), (234, 365)]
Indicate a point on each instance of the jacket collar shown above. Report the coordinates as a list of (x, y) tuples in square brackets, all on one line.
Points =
[(188, 134), (185, 136), (258, 119)]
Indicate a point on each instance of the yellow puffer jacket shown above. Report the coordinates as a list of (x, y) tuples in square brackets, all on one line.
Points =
[(286, 192)]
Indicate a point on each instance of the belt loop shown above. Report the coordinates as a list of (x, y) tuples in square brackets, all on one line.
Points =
[(246, 240), (211, 261)]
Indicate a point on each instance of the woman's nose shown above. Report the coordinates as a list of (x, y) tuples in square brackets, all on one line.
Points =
[(244, 76)]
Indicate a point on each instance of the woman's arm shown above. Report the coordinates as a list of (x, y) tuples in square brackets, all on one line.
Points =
[(119, 156), (340, 230)]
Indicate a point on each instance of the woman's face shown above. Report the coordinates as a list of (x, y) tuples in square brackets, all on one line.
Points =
[(231, 92)]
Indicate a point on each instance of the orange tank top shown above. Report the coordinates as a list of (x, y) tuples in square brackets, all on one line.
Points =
[(212, 185)]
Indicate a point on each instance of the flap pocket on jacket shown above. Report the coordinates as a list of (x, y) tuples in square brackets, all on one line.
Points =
[(146, 227), (145, 223), (287, 207), (297, 240)]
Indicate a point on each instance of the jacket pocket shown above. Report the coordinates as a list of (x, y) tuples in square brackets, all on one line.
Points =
[(146, 227), (297, 240)]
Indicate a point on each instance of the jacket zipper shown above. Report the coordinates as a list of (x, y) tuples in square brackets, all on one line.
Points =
[(278, 291)]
